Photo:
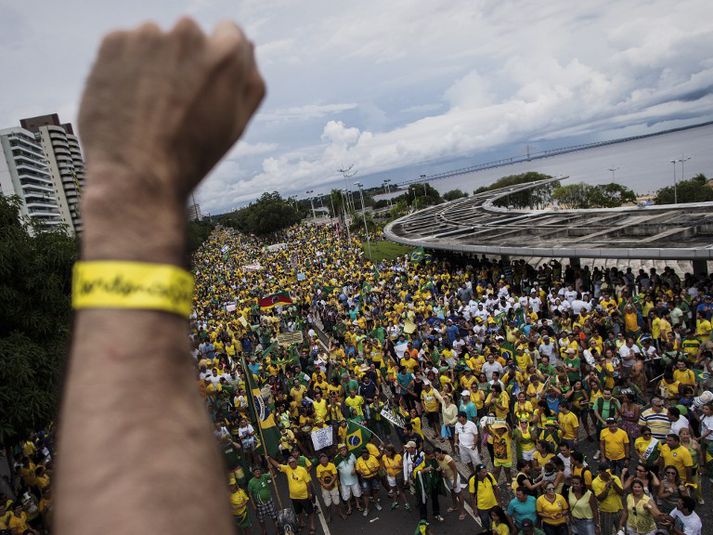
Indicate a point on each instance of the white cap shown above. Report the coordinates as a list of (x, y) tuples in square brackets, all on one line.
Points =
[(465, 393)]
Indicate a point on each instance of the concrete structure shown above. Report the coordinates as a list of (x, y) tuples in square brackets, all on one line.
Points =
[(194, 212), (478, 225), (66, 164), (24, 172)]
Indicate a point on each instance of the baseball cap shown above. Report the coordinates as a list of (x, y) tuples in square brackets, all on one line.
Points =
[(465, 393), (611, 420), (410, 444)]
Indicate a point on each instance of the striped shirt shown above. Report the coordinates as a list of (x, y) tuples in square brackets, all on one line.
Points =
[(658, 422)]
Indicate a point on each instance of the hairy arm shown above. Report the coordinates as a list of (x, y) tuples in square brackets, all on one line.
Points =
[(136, 453)]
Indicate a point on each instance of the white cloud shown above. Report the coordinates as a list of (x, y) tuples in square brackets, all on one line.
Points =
[(386, 84), (306, 111)]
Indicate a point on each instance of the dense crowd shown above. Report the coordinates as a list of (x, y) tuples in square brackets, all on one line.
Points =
[(471, 387), (495, 377)]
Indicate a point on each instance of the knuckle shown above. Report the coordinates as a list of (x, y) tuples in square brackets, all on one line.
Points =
[(186, 26)]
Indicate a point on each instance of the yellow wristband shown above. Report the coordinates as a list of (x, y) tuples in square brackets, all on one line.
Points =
[(137, 285)]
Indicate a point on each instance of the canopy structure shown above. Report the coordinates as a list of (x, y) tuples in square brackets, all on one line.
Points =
[(482, 224)]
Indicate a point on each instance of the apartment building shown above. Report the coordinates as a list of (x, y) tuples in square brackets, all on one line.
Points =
[(24, 171), (66, 165)]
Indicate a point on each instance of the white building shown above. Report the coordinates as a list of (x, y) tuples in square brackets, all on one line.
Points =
[(66, 164), (24, 172)]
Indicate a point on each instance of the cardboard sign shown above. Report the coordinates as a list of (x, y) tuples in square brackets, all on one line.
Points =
[(322, 438), (287, 339)]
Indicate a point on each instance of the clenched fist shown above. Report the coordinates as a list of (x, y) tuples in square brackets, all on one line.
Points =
[(160, 109)]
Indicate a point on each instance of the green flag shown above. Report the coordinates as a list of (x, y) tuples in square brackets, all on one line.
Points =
[(357, 436), (261, 414)]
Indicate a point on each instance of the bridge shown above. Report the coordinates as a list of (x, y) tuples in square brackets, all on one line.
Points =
[(483, 224)]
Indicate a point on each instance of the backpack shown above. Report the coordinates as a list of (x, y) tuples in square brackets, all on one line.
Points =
[(490, 476)]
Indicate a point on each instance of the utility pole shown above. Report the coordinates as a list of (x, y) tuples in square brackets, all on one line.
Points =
[(363, 214), (675, 192), (311, 203), (344, 213)]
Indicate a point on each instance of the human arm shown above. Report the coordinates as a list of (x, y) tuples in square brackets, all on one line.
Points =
[(159, 110)]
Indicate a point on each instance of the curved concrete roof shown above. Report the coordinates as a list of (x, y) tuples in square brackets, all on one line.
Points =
[(476, 225)]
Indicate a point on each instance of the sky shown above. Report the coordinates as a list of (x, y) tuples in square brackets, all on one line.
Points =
[(381, 85)]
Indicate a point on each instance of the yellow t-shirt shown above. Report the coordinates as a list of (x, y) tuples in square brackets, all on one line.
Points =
[(367, 468), (429, 400), (569, 424), (612, 502), (326, 474), (552, 513), (297, 481), (684, 377), (501, 529), (614, 443), (393, 466), (320, 409), (542, 460), (239, 502), (485, 498), (355, 403), (679, 457)]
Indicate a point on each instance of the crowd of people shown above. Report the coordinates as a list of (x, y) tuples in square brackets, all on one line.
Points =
[(519, 398), (484, 383)]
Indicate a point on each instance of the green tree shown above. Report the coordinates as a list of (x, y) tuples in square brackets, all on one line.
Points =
[(35, 284), (421, 195), (573, 196), (454, 194), (610, 195), (269, 214), (696, 189), (513, 180), (198, 232)]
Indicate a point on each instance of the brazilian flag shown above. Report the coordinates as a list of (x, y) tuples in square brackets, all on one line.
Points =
[(261, 413), (357, 436)]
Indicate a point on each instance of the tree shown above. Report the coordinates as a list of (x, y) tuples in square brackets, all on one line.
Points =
[(454, 194), (513, 180), (197, 233), (573, 196), (421, 195), (35, 287), (696, 189), (610, 195), (269, 214)]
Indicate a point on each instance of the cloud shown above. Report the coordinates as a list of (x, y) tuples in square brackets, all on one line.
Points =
[(306, 111), (388, 84)]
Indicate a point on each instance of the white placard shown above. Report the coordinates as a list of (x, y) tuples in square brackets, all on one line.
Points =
[(322, 438)]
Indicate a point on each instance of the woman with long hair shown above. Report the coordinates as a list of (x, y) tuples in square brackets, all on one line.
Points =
[(671, 489), (584, 508), (553, 509), (694, 448), (640, 513), (651, 482)]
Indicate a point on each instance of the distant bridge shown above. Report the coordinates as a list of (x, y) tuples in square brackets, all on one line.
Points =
[(476, 225)]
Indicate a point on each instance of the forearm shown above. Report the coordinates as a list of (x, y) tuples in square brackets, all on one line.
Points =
[(131, 409)]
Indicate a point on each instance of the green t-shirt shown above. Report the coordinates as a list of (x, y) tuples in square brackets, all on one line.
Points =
[(259, 488)]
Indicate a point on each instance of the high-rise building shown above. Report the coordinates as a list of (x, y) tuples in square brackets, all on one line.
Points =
[(66, 164), (24, 172)]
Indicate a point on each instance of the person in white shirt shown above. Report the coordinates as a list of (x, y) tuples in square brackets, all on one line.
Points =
[(678, 422), (467, 440), (684, 520), (492, 366)]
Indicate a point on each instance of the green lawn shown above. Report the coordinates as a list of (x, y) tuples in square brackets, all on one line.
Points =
[(386, 250)]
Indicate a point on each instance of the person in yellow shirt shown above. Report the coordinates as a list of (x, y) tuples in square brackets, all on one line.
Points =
[(393, 464), (614, 445), (239, 506), (431, 405), (674, 454), (483, 489), (498, 401), (321, 407), (569, 424), (683, 374), (300, 488), (326, 474), (553, 509), (608, 490), (355, 403), (367, 466)]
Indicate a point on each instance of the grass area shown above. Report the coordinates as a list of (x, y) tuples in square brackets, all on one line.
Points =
[(386, 250)]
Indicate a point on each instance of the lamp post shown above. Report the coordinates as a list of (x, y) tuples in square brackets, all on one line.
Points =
[(386, 186), (675, 192), (683, 160), (363, 215), (613, 171), (344, 213), (311, 203)]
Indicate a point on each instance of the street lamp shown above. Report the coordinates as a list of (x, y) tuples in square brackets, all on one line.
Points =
[(311, 202), (363, 214), (386, 186), (344, 213), (683, 160), (675, 192), (613, 171)]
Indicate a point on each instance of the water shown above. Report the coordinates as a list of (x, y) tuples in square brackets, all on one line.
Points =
[(643, 164)]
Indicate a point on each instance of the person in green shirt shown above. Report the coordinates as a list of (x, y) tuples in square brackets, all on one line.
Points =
[(261, 497)]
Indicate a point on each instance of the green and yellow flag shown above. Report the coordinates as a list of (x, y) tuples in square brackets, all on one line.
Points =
[(357, 436), (264, 417)]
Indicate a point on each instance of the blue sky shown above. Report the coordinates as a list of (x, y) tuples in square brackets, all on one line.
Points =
[(382, 85)]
